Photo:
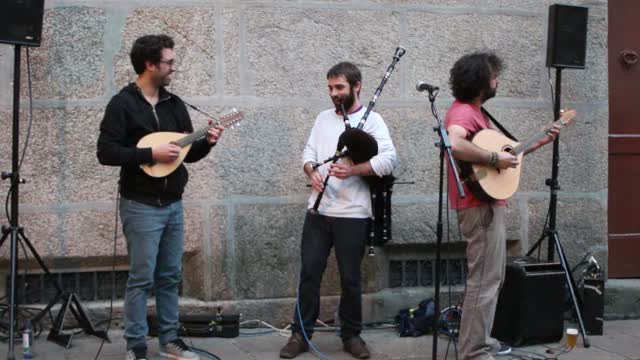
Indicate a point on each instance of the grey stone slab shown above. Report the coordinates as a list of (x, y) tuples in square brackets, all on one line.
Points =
[(193, 30), (43, 230), (440, 39), (581, 226), (95, 228), (413, 136), (623, 345), (232, 52), (215, 264), (584, 156), (42, 164), (69, 62), (6, 77), (290, 50), (596, 7), (626, 327), (427, 4), (261, 157), (84, 178), (622, 300), (267, 249), (416, 223)]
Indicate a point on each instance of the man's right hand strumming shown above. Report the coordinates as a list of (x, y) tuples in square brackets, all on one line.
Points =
[(506, 160), (165, 153)]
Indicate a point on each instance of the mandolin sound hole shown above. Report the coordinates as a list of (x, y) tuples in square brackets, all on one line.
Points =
[(507, 148)]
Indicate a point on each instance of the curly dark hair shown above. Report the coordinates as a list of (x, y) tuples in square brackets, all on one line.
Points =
[(349, 70), (149, 48), (471, 74)]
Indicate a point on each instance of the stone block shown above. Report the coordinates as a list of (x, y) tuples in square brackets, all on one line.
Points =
[(83, 177), (42, 163), (207, 268), (411, 130), (267, 256), (290, 50), (43, 230), (581, 226), (90, 234), (192, 29), (416, 223), (232, 55), (69, 62), (439, 40), (261, 157)]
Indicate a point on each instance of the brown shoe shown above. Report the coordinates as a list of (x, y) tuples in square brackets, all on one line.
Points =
[(294, 347), (356, 347)]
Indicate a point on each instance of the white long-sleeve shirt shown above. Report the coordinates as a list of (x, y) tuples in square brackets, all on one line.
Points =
[(350, 197)]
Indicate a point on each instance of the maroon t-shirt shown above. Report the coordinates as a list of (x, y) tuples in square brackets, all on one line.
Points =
[(471, 118)]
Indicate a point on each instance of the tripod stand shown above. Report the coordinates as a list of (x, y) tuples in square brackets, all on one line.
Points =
[(550, 232), (16, 234)]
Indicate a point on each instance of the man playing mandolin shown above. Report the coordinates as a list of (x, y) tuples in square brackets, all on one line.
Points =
[(151, 207), (474, 80)]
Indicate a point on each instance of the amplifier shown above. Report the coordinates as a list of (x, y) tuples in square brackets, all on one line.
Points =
[(530, 303)]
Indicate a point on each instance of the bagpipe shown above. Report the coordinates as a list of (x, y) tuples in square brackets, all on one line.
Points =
[(360, 146)]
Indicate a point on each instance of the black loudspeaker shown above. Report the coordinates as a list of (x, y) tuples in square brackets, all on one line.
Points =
[(567, 41), (21, 22), (593, 306), (529, 307)]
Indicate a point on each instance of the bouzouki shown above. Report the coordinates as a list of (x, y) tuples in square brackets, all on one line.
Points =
[(489, 183), (157, 169)]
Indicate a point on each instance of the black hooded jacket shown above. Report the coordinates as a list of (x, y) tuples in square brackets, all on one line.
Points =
[(127, 119)]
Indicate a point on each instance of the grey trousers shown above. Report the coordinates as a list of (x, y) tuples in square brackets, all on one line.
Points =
[(484, 230)]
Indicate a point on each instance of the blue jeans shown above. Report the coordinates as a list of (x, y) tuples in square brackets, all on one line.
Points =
[(154, 243)]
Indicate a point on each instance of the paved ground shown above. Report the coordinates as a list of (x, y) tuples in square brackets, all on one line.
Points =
[(620, 342)]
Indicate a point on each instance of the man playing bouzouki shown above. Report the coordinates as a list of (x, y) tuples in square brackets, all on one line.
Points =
[(151, 207), (474, 80)]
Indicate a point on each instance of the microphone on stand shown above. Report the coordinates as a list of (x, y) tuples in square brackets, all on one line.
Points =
[(399, 52), (423, 86)]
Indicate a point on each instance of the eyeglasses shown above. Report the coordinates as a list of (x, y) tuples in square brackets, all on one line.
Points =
[(168, 62)]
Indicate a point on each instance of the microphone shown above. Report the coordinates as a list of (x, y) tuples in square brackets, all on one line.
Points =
[(423, 86), (399, 52)]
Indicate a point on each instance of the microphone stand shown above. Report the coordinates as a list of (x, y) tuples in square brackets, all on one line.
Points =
[(445, 146)]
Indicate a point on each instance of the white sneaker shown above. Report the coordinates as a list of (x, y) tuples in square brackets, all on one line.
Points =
[(177, 350)]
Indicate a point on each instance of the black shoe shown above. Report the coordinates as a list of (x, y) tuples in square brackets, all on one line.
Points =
[(137, 353), (504, 349)]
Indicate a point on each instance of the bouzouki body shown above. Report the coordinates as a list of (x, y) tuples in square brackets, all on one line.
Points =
[(488, 183)]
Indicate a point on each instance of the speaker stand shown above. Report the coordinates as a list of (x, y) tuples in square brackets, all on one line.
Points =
[(551, 233)]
